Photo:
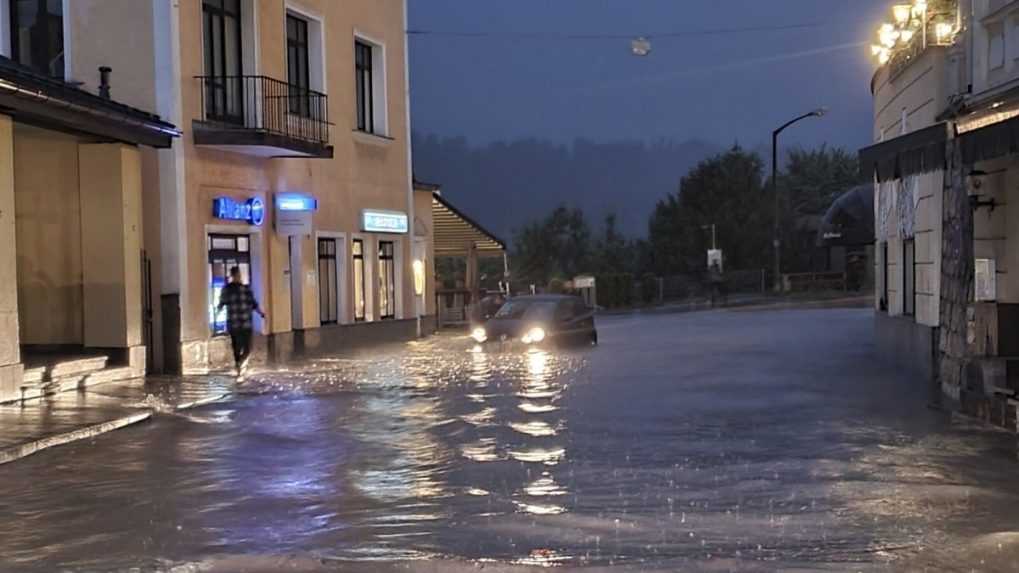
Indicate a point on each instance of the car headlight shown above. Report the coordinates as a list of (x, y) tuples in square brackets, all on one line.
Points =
[(534, 335), (479, 335)]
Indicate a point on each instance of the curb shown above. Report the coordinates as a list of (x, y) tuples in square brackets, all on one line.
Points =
[(202, 402), (15, 453), (23, 450), (849, 302)]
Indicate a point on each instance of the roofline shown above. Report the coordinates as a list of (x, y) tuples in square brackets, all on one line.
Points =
[(423, 186), (28, 92), (438, 197)]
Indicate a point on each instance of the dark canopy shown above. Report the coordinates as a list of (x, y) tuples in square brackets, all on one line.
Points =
[(850, 219)]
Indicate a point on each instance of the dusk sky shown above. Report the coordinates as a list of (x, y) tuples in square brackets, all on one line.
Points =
[(515, 74)]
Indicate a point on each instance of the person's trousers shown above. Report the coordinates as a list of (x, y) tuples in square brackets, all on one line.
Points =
[(241, 341)]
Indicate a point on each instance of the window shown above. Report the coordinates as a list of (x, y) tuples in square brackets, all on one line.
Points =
[(1013, 38), (37, 35), (909, 277), (995, 46), (225, 252), (328, 304), (224, 88), (387, 280), (360, 306), (883, 301), (298, 74), (365, 78)]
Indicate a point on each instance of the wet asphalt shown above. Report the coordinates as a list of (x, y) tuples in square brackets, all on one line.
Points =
[(749, 441)]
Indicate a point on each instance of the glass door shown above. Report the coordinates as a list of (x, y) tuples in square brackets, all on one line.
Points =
[(387, 280), (225, 253), (328, 301), (360, 304)]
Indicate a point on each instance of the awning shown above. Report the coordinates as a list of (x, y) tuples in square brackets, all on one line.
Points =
[(995, 140), (850, 219), (455, 233), (921, 151)]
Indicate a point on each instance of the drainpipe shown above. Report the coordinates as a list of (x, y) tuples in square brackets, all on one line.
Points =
[(411, 238)]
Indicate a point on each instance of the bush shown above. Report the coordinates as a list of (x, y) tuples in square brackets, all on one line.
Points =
[(615, 290), (556, 286), (649, 288)]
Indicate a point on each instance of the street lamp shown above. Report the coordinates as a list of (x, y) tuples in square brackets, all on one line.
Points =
[(712, 227), (819, 112)]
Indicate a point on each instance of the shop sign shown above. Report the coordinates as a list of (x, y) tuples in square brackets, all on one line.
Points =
[(251, 211), (384, 221), (294, 214), (715, 258)]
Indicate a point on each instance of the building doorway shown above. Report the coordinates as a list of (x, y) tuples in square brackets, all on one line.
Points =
[(225, 252)]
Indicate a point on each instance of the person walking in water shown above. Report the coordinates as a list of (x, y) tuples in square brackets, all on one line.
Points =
[(240, 303)]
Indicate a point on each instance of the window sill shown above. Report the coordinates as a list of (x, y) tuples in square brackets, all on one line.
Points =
[(372, 138)]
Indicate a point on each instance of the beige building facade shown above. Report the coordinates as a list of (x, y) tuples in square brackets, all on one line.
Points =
[(946, 167), (270, 135), (72, 196), (294, 165)]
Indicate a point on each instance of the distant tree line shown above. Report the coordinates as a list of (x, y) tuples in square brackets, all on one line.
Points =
[(729, 190)]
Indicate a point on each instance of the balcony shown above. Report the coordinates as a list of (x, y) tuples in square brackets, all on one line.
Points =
[(263, 117)]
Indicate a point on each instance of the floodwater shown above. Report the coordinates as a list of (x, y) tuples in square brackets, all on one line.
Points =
[(749, 441)]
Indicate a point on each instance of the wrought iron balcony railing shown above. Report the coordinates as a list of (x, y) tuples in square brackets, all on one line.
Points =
[(265, 105)]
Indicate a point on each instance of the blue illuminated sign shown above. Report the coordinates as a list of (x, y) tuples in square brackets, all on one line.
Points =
[(252, 210), (295, 202), (384, 221)]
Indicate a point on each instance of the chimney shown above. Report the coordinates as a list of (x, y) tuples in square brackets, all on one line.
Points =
[(104, 81)]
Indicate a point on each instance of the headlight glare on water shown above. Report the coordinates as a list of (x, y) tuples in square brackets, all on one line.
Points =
[(479, 335)]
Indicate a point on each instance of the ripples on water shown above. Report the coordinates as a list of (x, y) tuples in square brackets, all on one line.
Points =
[(439, 450)]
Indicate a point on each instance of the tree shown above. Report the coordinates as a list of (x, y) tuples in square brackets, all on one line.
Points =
[(813, 179), (724, 190), (558, 246), (612, 252)]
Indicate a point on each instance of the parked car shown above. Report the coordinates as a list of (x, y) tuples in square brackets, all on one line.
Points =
[(540, 320)]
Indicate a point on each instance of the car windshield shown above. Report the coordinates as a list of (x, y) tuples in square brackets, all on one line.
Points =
[(518, 309)]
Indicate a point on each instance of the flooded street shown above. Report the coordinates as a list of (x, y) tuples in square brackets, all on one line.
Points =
[(719, 441)]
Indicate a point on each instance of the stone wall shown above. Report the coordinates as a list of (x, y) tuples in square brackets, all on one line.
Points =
[(956, 276)]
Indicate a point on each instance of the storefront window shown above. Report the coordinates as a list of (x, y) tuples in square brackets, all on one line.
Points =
[(908, 277), (225, 252), (387, 280), (327, 291), (359, 286)]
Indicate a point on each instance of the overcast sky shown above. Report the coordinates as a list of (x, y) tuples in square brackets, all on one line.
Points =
[(522, 77)]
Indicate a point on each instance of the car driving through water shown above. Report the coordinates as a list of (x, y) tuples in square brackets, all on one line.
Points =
[(540, 320)]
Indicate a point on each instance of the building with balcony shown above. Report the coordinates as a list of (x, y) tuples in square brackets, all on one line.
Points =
[(294, 166), (946, 164)]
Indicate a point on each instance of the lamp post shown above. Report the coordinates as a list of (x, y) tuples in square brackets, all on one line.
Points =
[(776, 242), (712, 227)]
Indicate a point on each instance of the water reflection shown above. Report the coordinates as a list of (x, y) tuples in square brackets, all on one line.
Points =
[(351, 458)]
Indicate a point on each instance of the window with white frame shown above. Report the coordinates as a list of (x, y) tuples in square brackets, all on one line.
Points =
[(995, 46), (370, 87), (37, 34), (305, 63)]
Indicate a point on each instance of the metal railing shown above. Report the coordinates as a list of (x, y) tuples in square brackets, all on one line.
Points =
[(267, 105)]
